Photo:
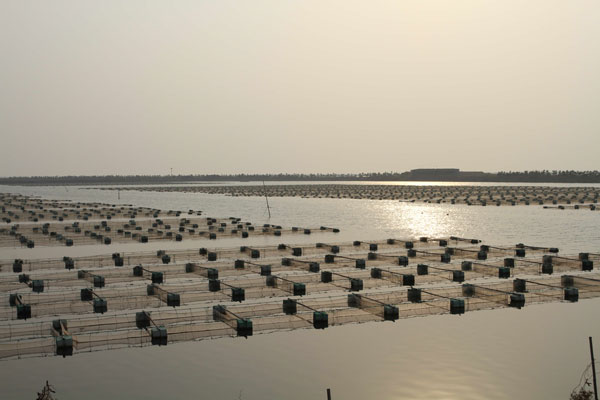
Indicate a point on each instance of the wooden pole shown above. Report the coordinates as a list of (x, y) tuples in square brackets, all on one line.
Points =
[(269, 208), (329, 394), (593, 370)]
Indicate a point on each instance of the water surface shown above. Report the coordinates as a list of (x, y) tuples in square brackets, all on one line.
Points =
[(538, 352)]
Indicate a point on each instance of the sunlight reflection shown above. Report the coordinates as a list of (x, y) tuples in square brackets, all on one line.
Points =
[(420, 219)]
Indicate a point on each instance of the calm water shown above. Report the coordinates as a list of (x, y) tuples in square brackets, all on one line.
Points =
[(538, 352)]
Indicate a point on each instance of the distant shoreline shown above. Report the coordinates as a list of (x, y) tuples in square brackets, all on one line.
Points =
[(432, 175)]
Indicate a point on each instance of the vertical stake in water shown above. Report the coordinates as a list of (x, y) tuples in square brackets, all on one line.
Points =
[(328, 394), (593, 370), (268, 208), (119, 194)]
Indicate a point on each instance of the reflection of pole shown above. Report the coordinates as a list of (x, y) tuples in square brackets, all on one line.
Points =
[(593, 369), (268, 208), (119, 194)]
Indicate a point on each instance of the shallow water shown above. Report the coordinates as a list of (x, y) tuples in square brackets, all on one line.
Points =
[(538, 352)]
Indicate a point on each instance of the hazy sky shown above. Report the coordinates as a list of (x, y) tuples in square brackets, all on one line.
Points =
[(119, 87)]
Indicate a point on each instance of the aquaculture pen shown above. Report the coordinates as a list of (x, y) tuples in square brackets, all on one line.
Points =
[(158, 333), (546, 265), (486, 269), (197, 281), (356, 284), (408, 244), (456, 306), (96, 280), (386, 311), (568, 293), (96, 332), (455, 275), (320, 318), (372, 246), (23, 310), (295, 288), (296, 251), (64, 341), (583, 260), (395, 277), (459, 239), (444, 257), (155, 276), (210, 273), (478, 254), (503, 297), (580, 282), (401, 260), (171, 299), (358, 262), (99, 304), (327, 228), (242, 326), (311, 266), (237, 293), (36, 285), (263, 269), (545, 249), (333, 248), (254, 253)]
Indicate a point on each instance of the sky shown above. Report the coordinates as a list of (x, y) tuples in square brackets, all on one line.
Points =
[(202, 87)]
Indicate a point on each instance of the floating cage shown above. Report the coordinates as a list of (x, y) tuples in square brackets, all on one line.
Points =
[(243, 326), (387, 312), (344, 293)]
